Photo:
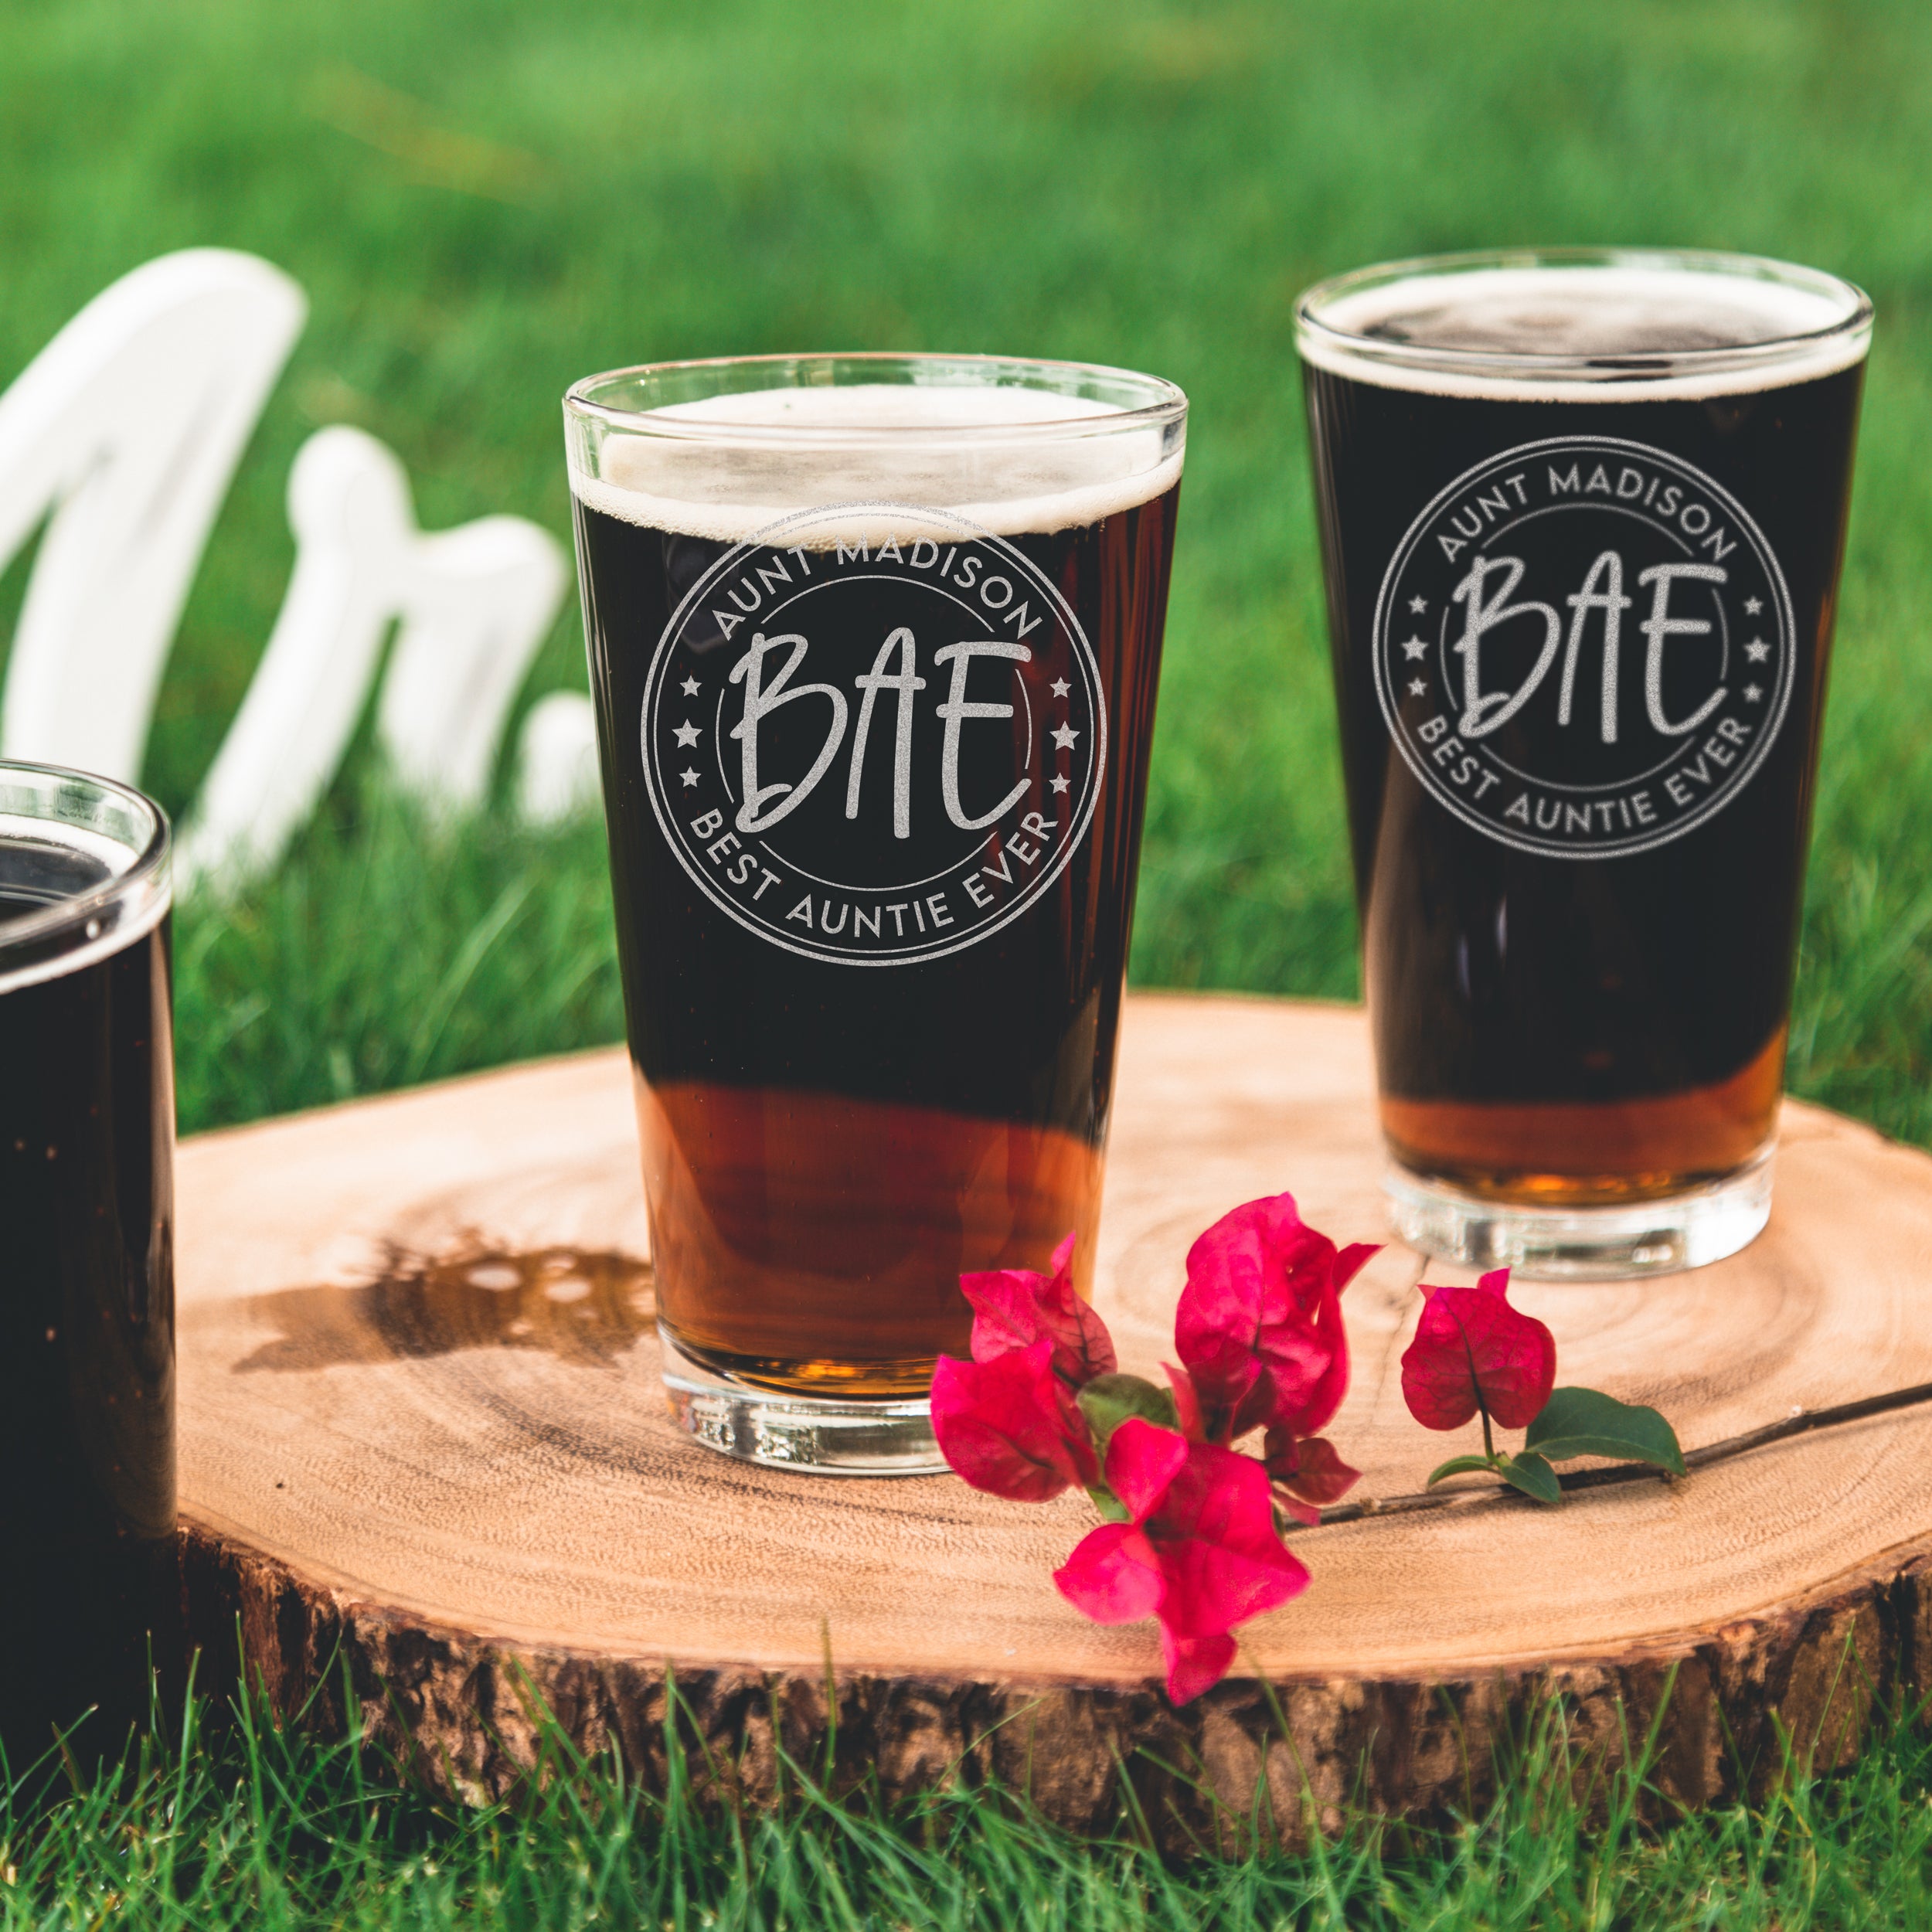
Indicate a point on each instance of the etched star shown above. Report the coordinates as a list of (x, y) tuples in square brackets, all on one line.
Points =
[(1753, 693), (689, 777), (1753, 606), (1061, 687), (1057, 784), (689, 687), (1413, 647), (1758, 650), (686, 734), (1064, 736), (1417, 688), (1418, 605)]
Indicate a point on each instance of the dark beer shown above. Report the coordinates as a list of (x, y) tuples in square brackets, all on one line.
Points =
[(86, 1285), (874, 784), (1583, 525)]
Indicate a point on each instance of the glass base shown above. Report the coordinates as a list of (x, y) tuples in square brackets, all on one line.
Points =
[(825, 1435), (1610, 1244)]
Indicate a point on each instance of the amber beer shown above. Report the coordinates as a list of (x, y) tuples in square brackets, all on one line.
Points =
[(875, 643), (1582, 517), (87, 1579)]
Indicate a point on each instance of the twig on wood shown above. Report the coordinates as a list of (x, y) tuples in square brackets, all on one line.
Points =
[(1800, 1423)]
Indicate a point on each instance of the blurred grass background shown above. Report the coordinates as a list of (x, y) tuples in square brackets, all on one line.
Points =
[(485, 199)]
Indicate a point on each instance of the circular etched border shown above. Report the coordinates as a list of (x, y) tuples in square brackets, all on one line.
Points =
[(960, 528), (1380, 643)]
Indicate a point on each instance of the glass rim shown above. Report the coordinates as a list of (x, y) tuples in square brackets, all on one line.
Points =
[(63, 936), (1166, 404), (1800, 345)]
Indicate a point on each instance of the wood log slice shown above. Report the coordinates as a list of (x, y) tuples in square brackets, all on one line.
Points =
[(424, 1442)]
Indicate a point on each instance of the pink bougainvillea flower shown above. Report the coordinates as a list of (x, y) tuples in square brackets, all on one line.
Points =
[(1195, 1664), (1473, 1352), (1309, 1472), (1114, 1574), (1214, 1531), (1013, 1308), (1001, 1425), (1201, 1551), (1141, 1466), (1259, 1327), (1187, 1403)]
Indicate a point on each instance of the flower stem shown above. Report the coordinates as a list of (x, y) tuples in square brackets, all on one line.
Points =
[(1800, 1423)]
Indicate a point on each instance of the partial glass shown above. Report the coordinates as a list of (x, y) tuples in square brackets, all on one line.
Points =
[(874, 643), (87, 1586), (1583, 513)]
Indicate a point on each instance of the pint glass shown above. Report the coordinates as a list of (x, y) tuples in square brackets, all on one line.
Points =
[(874, 643), (1582, 515), (87, 1259)]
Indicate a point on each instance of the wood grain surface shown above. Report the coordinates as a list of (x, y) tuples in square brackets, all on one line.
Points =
[(422, 1433)]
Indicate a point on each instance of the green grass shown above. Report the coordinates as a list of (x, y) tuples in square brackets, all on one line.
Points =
[(485, 200), (261, 1827), (392, 948)]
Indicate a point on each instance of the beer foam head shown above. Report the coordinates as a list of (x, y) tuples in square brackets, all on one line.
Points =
[(1010, 459), (1615, 329)]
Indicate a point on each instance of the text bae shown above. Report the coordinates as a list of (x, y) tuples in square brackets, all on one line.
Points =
[(1583, 647), (873, 739)]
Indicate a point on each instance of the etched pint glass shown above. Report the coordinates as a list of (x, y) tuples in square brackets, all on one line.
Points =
[(874, 643), (1582, 514)]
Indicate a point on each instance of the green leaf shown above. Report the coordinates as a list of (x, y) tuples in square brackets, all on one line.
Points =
[(1585, 1422), (1534, 1477), (1458, 1466), (1111, 1509), (1108, 1400)]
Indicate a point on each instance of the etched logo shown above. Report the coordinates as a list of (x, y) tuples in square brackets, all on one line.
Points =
[(873, 752), (1583, 647)]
